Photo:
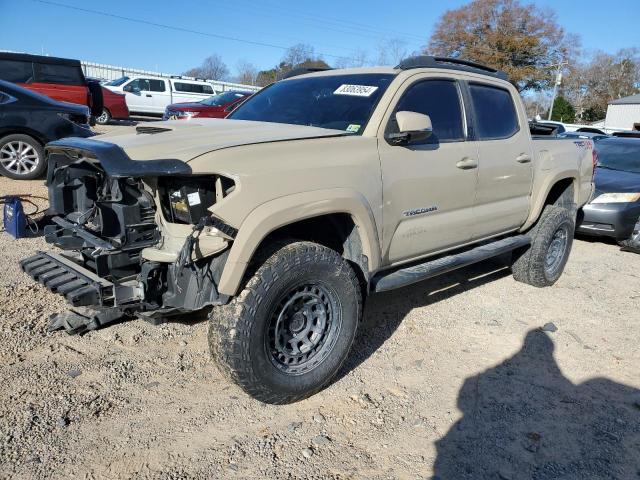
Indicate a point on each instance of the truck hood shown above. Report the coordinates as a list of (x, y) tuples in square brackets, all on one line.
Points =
[(185, 140)]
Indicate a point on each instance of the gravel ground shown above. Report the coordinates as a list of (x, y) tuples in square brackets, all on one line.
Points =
[(470, 376)]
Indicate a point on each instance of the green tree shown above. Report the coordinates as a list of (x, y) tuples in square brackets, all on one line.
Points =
[(563, 111)]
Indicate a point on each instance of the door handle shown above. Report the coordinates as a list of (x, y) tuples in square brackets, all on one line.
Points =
[(149, 95), (523, 158), (467, 163)]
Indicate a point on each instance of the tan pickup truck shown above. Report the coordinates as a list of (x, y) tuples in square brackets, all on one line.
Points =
[(319, 190)]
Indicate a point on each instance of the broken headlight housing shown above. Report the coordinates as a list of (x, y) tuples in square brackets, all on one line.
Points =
[(188, 199)]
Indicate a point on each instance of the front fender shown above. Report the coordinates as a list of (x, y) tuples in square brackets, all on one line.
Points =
[(287, 210)]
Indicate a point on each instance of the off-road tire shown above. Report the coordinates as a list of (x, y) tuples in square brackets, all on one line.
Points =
[(529, 265), (241, 331), (36, 147)]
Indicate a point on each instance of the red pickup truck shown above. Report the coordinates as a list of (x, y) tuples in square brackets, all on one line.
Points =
[(61, 79)]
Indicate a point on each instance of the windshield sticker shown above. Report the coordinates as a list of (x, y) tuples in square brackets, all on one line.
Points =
[(353, 128), (355, 90)]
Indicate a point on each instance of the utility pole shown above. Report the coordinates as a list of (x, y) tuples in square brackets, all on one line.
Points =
[(556, 84)]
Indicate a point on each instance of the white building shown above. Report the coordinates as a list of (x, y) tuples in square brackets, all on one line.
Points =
[(623, 114)]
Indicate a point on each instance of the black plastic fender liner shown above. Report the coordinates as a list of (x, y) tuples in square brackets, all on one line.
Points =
[(115, 162)]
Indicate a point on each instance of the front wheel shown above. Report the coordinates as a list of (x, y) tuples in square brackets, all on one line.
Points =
[(21, 157), (288, 332), (541, 263)]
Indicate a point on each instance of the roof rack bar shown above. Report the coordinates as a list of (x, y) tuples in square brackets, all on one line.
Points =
[(428, 61), (301, 71)]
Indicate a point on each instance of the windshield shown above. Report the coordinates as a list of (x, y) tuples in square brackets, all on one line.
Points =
[(117, 82), (223, 98), (619, 155), (341, 102)]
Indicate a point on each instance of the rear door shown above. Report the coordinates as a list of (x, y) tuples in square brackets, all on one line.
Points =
[(428, 187), (505, 154), (160, 92)]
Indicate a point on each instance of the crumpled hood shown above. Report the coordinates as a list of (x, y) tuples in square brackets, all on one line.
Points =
[(187, 139)]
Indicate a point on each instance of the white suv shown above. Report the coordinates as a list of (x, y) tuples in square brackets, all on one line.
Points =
[(151, 95)]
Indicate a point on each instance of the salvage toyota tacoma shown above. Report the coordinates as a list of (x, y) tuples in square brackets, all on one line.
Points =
[(320, 189)]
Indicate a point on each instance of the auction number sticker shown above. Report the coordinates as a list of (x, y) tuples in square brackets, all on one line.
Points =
[(355, 90)]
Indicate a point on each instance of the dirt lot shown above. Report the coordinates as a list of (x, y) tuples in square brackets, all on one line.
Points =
[(450, 379)]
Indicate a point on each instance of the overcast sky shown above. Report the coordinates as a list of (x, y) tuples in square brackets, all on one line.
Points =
[(258, 31)]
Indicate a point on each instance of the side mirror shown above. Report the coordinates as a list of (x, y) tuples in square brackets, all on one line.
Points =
[(412, 127)]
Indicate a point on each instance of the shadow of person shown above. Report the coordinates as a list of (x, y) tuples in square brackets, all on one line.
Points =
[(524, 420)]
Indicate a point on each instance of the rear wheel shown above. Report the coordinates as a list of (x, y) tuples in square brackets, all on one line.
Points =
[(104, 118), (541, 263), (288, 332), (21, 157)]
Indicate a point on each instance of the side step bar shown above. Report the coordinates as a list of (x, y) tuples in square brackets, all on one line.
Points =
[(392, 279), (61, 275)]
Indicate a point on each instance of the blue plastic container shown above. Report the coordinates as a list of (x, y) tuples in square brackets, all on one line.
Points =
[(15, 221)]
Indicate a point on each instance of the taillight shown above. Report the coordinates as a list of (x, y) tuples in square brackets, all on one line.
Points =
[(594, 158)]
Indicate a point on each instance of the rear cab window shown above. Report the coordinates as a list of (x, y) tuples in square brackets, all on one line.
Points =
[(156, 85), (193, 88), (494, 112)]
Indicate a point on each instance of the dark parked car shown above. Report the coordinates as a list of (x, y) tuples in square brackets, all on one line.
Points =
[(28, 120), (614, 210), (217, 106)]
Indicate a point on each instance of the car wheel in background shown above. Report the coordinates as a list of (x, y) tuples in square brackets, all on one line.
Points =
[(633, 242), (104, 118), (541, 263), (21, 157)]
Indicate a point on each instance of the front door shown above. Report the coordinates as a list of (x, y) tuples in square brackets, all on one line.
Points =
[(429, 187), (147, 95), (135, 91)]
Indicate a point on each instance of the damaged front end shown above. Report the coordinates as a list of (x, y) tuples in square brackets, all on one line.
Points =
[(138, 237)]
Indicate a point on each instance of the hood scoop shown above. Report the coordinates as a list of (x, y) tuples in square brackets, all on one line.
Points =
[(149, 130)]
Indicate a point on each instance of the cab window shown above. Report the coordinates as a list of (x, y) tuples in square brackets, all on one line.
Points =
[(16, 71), (62, 74), (440, 99), (156, 85), (494, 112)]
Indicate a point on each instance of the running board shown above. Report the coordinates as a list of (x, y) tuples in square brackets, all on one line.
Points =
[(402, 277)]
